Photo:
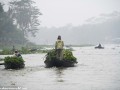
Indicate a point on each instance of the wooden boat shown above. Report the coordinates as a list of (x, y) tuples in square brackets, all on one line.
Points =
[(99, 47), (59, 63), (1, 61), (68, 61)]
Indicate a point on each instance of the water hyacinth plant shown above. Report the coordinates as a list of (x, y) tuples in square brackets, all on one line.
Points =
[(14, 62), (67, 55), (68, 59)]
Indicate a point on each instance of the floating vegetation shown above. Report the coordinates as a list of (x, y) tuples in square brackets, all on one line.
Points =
[(68, 59), (14, 62)]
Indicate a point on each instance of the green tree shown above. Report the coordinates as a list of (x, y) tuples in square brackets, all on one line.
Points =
[(1, 18), (25, 15), (9, 34), (1, 7)]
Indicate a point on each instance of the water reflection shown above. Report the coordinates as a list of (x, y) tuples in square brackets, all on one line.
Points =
[(60, 73)]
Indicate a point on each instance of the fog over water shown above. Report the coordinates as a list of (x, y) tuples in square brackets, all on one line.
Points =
[(105, 29), (78, 21)]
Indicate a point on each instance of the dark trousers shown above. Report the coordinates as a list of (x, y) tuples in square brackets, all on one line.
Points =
[(59, 54)]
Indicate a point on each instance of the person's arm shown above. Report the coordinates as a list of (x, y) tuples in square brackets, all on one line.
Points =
[(63, 43)]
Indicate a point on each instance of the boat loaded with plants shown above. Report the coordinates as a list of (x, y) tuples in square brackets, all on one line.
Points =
[(68, 59), (13, 62)]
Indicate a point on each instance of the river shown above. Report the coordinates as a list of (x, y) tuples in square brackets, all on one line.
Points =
[(97, 69)]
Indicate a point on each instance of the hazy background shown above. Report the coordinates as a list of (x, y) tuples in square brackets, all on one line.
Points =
[(78, 21)]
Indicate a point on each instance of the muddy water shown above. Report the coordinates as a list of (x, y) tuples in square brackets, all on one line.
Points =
[(97, 69)]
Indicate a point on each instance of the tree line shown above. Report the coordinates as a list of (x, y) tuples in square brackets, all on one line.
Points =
[(20, 20)]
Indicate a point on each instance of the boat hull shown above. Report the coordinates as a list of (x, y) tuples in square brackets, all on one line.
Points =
[(99, 47), (59, 63)]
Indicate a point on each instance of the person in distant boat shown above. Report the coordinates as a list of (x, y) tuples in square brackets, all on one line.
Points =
[(59, 44), (99, 45), (17, 54)]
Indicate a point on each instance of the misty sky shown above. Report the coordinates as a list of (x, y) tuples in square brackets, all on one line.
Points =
[(58, 13), (61, 12)]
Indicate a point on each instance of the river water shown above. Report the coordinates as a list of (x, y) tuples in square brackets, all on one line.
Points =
[(97, 69)]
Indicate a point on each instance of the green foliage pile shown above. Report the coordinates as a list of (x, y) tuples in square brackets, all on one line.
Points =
[(67, 55), (14, 62), (51, 55)]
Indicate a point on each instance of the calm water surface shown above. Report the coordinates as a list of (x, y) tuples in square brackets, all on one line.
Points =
[(97, 69)]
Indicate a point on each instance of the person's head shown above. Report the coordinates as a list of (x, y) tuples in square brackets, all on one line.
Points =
[(16, 51), (59, 37)]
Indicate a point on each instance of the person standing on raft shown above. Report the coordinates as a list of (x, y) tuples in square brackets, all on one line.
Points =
[(59, 48)]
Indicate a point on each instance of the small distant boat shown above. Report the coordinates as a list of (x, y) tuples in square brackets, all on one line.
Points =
[(68, 61), (1, 63), (99, 47)]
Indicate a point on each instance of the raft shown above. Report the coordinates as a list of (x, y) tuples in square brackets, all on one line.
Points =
[(68, 59), (99, 47)]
